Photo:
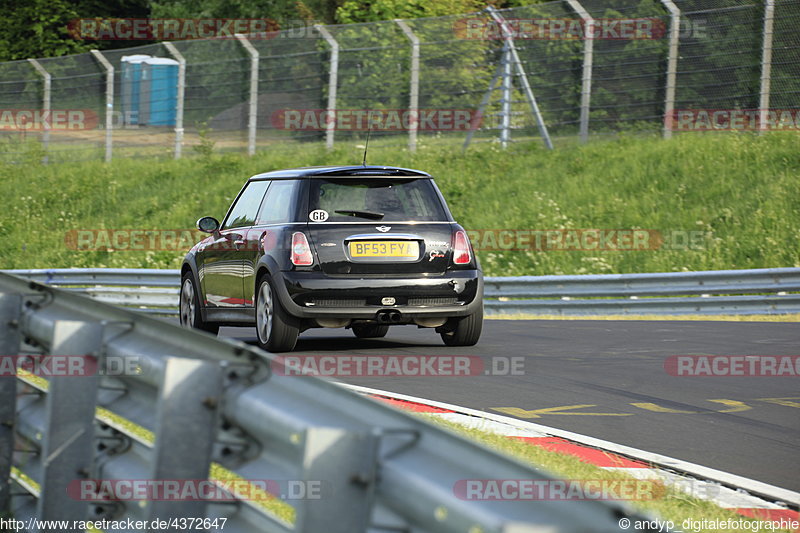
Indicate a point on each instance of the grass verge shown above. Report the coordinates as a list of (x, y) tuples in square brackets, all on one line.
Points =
[(735, 197), (670, 505)]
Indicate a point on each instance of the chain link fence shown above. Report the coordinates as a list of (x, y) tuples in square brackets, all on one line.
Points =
[(593, 69)]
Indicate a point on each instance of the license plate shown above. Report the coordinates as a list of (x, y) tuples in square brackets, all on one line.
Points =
[(384, 249)]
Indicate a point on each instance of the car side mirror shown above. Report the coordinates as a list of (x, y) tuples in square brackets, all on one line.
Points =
[(208, 224)]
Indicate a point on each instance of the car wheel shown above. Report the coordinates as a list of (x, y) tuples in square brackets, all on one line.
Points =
[(277, 330), (190, 307), (464, 331), (370, 331)]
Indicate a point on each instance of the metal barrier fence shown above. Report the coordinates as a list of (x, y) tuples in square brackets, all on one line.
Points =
[(248, 93), (758, 291), (208, 404)]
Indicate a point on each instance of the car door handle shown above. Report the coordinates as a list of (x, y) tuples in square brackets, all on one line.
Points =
[(238, 243)]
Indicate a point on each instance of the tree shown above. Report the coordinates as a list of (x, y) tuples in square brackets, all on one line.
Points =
[(353, 11), (37, 28)]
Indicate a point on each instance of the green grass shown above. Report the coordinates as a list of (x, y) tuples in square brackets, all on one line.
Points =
[(740, 192)]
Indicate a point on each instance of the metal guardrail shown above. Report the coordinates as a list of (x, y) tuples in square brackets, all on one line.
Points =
[(759, 291), (207, 400), (756, 291), (150, 290)]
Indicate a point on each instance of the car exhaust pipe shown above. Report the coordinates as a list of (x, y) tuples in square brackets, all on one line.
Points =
[(389, 317)]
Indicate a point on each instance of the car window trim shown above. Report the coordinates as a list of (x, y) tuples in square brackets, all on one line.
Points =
[(244, 187), (296, 186)]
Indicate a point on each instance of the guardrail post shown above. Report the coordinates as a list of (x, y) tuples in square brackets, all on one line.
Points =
[(766, 66), (672, 64), (333, 82), (252, 114), (588, 60), (185, 429), (341, 464), (181, 94), (45, 104), (68, 445), (413, 104), (10, 305), (109, 100)]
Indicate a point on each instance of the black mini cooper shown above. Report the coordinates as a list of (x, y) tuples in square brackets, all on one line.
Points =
[(361, 247)]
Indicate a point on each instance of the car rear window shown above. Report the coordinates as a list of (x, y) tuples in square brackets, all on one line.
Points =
[(373, 199)]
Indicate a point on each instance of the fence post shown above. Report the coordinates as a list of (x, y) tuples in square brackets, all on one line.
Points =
[(109, 100), (588, 59), (181, 92), (482, 107), (333, 82), (672, 64), (252, 113), (505, 98), (45, 104), (766, 66), (413, 104), (526, 87)]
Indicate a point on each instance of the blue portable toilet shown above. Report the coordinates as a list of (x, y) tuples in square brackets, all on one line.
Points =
[(159, 92), (131, 86)]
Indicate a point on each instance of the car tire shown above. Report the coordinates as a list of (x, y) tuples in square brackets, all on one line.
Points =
[(189, 307), (370, 331), (464, 331), (277, 330)]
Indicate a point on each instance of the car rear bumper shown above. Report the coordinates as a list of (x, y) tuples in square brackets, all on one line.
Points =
[(317, 295)]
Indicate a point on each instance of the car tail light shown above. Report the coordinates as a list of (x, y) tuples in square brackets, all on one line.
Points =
[(461, 253), (301, 251)]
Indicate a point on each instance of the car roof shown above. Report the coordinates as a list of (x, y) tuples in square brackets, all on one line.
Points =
[(350, 170)]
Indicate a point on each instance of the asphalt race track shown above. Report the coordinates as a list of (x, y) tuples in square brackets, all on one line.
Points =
[(607, 379)]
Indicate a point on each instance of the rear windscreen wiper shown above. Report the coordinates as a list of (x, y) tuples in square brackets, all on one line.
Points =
[(363, 214)]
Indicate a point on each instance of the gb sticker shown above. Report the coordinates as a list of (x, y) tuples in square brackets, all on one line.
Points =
[(318, 215)]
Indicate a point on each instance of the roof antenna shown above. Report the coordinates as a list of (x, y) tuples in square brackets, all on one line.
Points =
[(369, 130)]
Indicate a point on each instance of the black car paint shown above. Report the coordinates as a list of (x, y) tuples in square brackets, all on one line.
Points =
[(265, 250)]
